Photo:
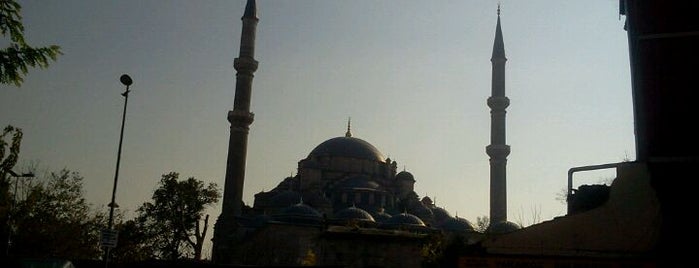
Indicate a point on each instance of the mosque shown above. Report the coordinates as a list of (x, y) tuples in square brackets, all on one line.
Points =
[(349, 206)]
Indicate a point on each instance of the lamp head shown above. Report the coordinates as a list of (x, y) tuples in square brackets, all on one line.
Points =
[(126, 80)]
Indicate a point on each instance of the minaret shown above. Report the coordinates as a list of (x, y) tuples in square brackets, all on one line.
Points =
[(240, 118), (498, 150)]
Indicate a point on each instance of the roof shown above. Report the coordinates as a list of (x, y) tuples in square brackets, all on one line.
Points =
[(348, 147)]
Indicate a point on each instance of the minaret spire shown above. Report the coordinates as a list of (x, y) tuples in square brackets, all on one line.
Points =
[(498, 150), (240, 119), (349, 124)]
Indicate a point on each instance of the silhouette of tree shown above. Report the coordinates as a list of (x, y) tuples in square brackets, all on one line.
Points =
[(55, 220), (173, 221), (482, 223), (9, 152), (134, 243), (16, 59)]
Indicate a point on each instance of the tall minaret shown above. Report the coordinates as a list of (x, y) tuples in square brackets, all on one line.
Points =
[(240, 119), (498, 150)]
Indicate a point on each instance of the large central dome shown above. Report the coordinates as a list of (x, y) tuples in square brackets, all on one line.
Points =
[(348, 147)]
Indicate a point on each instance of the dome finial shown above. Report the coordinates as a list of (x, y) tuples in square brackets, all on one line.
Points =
[(349, 125)]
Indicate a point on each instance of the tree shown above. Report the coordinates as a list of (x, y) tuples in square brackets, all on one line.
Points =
[(9, 152), (173, 220), (55, 220), (134, 243), (482, 223), (16, 59)]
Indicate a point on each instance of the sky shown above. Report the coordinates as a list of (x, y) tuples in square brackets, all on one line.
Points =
[(413, 76)]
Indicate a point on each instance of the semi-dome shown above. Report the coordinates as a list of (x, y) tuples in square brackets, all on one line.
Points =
[(354, 213), (347, 147)]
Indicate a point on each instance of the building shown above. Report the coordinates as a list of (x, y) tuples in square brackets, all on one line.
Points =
[(348, 204)]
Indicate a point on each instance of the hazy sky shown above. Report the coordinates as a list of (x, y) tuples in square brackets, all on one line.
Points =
[(413, 75)]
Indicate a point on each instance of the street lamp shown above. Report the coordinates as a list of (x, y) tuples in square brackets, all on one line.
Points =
[(126, 80), (14, 200)]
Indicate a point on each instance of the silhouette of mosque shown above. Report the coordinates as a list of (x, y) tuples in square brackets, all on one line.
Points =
[(349, 206)]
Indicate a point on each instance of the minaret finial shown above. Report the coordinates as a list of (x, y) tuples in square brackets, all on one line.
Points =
[(349, 125), (250, 9), (498, 9)]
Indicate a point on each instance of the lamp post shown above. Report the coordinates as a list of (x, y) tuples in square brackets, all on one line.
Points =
[(126, 80), (14, 200)]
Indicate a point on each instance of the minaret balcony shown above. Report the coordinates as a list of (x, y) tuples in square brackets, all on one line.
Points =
[(240, 118), (497, 150), (498, 103), (245, 64)]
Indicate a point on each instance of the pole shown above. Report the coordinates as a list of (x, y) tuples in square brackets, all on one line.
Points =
[(126, 81), (14, 202)]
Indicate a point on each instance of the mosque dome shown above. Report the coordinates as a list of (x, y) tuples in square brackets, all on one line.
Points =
[(299, 213), (405, 176), (358, 182), (405, 219), (348, 147), (456, 225), (502, 227), (354, 213)]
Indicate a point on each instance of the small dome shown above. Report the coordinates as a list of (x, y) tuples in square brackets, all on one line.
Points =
[(348, 147), (422, 211), (358, 182), (354, 213), (440, 214), (299, 213), (285, 198), (405, 176), (456, 225), (502, 227), (405, 219)]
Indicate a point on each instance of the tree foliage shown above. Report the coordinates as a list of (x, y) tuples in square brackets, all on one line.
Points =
[(482, 223), (10, 141), (134, 243), (174, 221), (55, 220), (18, 57), (11, 148)]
